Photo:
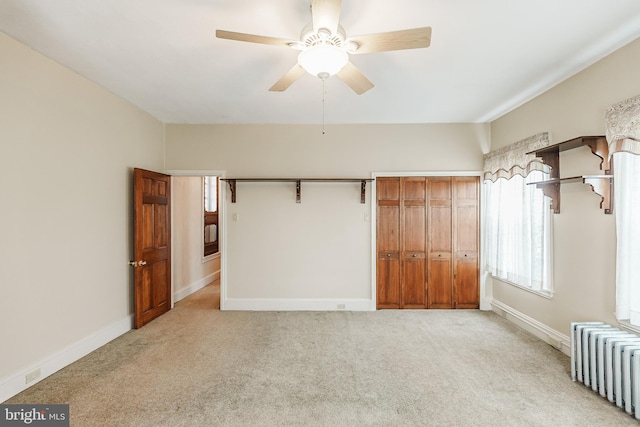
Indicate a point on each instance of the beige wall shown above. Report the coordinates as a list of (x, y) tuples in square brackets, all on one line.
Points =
[(584, 237), (190, 272), (315, 255), (345, 150), (67, 149)]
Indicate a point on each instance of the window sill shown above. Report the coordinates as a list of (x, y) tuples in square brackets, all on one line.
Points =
[(211, 257), (624, 324), (543, 294)]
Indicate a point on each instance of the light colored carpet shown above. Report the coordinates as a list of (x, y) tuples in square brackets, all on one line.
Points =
[(198, 366)]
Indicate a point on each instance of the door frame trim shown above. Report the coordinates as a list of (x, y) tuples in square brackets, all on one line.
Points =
[(485, 298), (222, 225)]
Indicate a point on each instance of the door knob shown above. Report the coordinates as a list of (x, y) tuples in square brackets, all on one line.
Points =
[(415, 255), (388, 254)]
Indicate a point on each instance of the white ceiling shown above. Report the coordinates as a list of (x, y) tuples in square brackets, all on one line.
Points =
[(486, 57)]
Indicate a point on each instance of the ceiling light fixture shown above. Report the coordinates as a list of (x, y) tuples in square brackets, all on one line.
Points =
[(323, 60)]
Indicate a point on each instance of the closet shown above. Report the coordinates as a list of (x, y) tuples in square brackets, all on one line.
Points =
[(427, 242)]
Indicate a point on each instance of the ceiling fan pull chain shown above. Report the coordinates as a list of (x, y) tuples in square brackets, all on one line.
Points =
[(323, 93)]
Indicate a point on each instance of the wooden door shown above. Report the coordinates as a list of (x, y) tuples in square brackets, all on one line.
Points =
[(152, 245), (413, 234), (427, 242), (440, 264), (466, 282), (388, 243)]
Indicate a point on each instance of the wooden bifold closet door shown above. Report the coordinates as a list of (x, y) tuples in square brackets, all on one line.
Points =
[(427, 242)]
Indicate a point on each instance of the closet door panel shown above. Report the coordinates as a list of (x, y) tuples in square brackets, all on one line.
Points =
[(466, 241), (388, 280), (413, 192), (413, 291), (440, 230), (467, 286), (440, 291), (439, 284)]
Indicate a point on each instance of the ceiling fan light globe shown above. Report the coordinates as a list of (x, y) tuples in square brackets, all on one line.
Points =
[(322, 59)]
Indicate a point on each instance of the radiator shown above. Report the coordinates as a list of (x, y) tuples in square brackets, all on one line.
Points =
[(607, 359)]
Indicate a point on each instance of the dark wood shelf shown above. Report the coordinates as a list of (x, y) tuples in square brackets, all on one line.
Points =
[(597, 144), (363, 184), (602, 185), (557, 181)]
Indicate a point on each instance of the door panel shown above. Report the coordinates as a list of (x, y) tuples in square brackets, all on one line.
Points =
[(152, 249), (388, 188), (388, 282), (388, 243), (466, 265), (467, 286), (388, 229), (414, 233), (413, 291), (467, 229), (440, 293), (414, 188), (439, 285), (440, 231)]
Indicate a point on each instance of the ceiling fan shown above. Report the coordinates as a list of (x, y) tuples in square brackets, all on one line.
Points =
[(325, 48)]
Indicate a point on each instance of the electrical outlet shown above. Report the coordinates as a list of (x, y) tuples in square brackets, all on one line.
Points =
[(32, 376)]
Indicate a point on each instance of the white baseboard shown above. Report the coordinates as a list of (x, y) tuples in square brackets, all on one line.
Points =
[(550, 336), (195, 286), (16, 383), (296, 304)]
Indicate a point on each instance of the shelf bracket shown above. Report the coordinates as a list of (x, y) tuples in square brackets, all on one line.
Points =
[(600, 148), (603, 187), (552, 191), (551, 159), (232, 189)]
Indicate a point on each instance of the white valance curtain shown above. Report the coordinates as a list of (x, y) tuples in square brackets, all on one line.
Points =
[(623, 137), (623, 126), (514, 160)]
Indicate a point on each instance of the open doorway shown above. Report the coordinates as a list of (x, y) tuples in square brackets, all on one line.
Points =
[(196, 236)]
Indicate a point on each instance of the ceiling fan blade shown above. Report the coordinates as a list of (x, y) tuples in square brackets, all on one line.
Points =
[(287, 80), (326, 14), (354, 79), (394, 40), (242, 37)]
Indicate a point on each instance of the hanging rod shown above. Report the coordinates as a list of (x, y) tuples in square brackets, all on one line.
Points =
[(232, 184)]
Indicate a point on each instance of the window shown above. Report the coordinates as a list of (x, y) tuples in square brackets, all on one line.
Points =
[(517, 233), (627, 212), (623, 135), (211, 241), (517, 216)]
